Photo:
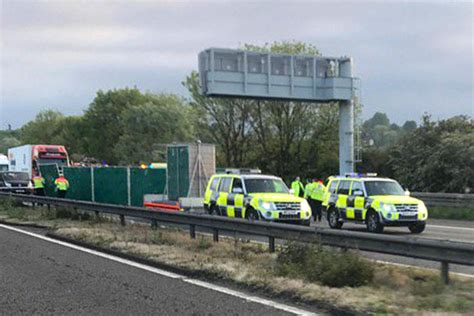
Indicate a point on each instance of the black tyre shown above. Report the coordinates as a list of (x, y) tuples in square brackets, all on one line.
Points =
[(417, 228), (333, 219), (252, 215), (373, 222), (306, 222), (214, 210)]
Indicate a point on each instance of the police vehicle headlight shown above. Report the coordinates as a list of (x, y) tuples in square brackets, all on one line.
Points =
[(388, 209), (305, 207), (267, 206), (423, 210)]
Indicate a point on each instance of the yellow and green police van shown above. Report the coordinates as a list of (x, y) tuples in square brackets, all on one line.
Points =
[(255, 197), (374, 201)]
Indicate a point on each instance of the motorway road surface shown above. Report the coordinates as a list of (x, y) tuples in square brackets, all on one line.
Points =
[(41, 277)]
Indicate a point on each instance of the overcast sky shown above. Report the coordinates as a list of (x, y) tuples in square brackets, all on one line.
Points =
[(412, 57)]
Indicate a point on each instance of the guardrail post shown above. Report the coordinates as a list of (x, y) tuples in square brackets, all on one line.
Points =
[(122, 220), (215, 234), (271, 244), (192, 231), (154, 224), (445, 272), (49, 207)]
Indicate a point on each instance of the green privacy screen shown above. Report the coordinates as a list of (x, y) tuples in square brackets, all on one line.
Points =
[(146, 181), (49, 173), (110, 184), (80, 185), (178, 171)]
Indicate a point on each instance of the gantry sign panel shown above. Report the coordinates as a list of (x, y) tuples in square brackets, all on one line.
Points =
[(238, 73)]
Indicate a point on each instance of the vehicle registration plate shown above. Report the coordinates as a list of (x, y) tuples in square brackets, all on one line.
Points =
[(410, 213), (290, 212)]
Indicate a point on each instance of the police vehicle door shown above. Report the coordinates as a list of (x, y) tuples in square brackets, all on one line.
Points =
[(342, 195), (355, 202), (235, 199), (224, 188)]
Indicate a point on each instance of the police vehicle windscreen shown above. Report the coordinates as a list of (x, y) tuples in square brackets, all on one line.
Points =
[(383, 188), (265, 186)]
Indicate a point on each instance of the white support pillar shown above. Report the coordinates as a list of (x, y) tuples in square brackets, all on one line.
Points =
[(346, 125), (346, 137)]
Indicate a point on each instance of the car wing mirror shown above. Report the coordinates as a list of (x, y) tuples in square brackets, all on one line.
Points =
[(407, 193), (292, 191)]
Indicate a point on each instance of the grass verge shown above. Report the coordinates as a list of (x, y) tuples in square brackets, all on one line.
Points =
[(466, 213), (308, 273)]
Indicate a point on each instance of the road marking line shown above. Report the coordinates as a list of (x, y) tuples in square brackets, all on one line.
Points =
[(241, 295), (451, 227)]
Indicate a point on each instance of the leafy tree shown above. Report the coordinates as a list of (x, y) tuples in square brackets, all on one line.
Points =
[(44, 129), (103, 121), (223, 121), (71, 135), (147, 127), (409, 126), (8, 139), (437, 156)]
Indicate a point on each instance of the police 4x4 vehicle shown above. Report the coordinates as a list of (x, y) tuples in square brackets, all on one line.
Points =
[(375, 201), (255, 197)]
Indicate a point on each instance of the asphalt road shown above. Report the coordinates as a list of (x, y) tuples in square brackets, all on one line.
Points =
[(40, 277)]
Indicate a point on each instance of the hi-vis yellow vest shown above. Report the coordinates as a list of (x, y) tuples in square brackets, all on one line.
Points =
[(318, 192), (61, 184), (38, 182)]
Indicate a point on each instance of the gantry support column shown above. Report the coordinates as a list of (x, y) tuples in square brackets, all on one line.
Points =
[(346, 126)]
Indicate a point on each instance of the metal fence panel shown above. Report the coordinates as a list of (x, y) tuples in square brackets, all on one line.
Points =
[(111, 185), (49, 173), (80, 186), (146, 181)]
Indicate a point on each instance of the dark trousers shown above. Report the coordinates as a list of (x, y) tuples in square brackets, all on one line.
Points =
[(39, 192), (315, 209), (61, 193)]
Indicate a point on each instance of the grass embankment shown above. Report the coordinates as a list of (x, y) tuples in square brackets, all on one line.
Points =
[(457, 213), (312, 274)]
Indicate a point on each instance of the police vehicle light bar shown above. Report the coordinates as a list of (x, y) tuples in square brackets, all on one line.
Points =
[(243, 171), (360, 175)]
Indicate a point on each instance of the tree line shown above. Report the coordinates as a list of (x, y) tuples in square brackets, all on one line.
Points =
[(129, 127)]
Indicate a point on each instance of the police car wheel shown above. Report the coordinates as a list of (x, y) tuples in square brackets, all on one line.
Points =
[(252, 215), (417, 228), (333, 219), (214, 210), (373, 223)]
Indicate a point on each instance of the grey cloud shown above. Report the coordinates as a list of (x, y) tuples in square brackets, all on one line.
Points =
[(412, 57)]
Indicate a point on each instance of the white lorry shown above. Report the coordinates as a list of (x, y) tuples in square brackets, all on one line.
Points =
[(28, 158), (3, 163)]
